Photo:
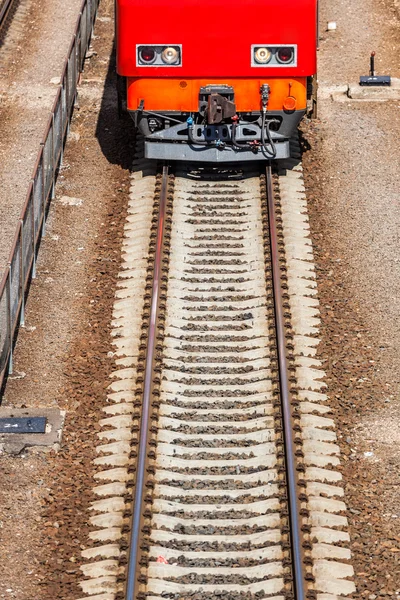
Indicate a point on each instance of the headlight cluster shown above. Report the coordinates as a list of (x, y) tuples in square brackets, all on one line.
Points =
[(273, 56), (159, 56)]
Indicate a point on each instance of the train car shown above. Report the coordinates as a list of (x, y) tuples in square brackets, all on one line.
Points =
[(218, 80)]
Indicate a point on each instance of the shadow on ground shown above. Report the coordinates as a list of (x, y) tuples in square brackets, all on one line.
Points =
[(120, 131)]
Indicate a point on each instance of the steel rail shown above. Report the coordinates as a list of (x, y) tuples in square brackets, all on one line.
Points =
[(131, 585), (4, 10), (293, 499)]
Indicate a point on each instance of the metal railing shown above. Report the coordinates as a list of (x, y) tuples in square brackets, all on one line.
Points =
[(22, 259)]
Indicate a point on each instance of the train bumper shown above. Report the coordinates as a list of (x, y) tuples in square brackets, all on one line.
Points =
[(228, 154), (221, 143), (235, 121)]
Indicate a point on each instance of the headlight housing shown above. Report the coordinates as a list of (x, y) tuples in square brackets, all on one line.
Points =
[(274, 55), (170, 55), (147, 55), (285, 55), (262, 55), (159, 55)]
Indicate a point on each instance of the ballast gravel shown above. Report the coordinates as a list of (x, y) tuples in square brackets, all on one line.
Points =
[(351, 163)]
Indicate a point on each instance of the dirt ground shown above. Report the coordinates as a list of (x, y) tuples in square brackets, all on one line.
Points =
[(62, 360), (352, 169)]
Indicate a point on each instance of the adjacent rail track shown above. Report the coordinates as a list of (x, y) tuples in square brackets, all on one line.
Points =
[(15, 281), (220, 447), (6, 8)]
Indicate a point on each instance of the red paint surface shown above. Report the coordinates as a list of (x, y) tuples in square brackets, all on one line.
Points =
[(216, 35)]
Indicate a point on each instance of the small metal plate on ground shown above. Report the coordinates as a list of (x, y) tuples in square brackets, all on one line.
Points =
[(375, 80), (27, 427), (22, 424)]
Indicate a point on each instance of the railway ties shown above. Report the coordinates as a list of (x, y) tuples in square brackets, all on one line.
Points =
[(215, 517)]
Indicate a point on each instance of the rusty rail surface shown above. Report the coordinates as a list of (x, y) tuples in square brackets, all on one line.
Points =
[(299, 579), (137, 521), (14, 285)]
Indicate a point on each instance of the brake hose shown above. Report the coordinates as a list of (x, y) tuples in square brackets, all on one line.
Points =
[(236, 144), (215, 143), (189, 122), (265, 125), (269, 147)]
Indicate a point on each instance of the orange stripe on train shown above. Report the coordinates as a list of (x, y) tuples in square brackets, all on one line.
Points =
[(182, 95)]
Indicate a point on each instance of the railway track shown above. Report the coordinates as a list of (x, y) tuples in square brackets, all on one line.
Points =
[(6, 10), (218, 472)]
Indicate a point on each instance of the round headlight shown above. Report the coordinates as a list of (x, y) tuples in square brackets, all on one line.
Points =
[(147, 55), (285, 55), (262, 55), (170, 55)]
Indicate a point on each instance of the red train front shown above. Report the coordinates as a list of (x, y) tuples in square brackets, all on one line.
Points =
[(216, 81)]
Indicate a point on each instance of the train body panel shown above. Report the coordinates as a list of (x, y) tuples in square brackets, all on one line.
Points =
[(216, 36), (221, 78)]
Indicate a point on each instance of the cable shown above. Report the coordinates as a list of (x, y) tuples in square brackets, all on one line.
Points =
[(235, 144), (265, 125), (189, 122), (253, 146), (155, 114), (215, 144)]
